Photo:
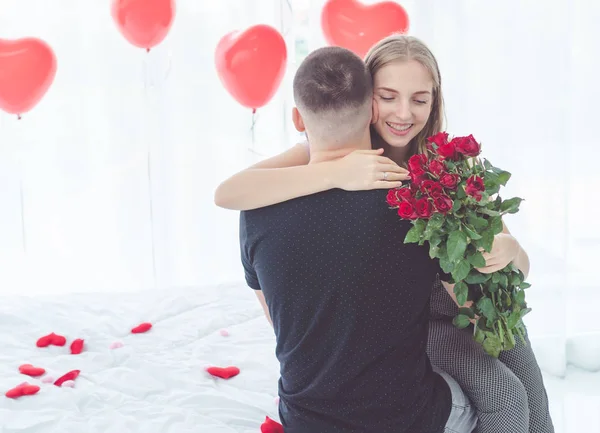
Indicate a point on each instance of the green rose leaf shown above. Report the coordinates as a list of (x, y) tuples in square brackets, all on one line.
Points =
[(435, 222), (511, 205), (461, 290), (476, 277), (414, 234), (479, 335), (471, 233), (456, 205), (476, 222), (486, 241), (490, 179), (467, 312), (492, 345), (461, 270), (513, 319), (525, 311), (520, 297), (434, 251), (477, 260), (496, 225), (489, 212), (503, 176), (457, 244), (446, 265), (486, 306), (461, 321), (515, 279)]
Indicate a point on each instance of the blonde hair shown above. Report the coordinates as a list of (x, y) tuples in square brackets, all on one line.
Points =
[(396, 48)]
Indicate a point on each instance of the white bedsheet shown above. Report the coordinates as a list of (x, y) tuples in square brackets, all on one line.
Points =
[(157, 382)]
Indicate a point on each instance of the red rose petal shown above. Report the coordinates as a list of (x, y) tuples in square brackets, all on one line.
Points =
[(142, 327), (30, 389), (58, 340), (52, 338), (21, 390), (15, 392), (30, 370), (71, 375), (223, 372), (77, 346), (45, 341), (271, 426)]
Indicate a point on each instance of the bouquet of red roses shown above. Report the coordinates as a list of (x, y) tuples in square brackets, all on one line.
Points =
[(454, 205)]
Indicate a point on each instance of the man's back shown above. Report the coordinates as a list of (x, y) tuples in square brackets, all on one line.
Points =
[(349, 303)]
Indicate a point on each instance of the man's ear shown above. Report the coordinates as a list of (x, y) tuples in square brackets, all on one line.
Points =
[(298, 122), (374, 112)]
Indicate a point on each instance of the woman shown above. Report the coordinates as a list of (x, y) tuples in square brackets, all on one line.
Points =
[(508, 391)]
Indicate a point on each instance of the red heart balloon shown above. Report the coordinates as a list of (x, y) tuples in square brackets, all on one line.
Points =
[(357, 27), (223, 373), (27, 69), (144, 23), (251, 64)]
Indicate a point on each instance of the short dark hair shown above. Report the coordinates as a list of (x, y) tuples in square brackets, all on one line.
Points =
[(332, 78)]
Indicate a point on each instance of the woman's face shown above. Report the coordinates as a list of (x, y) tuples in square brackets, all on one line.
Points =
[(403, 94)]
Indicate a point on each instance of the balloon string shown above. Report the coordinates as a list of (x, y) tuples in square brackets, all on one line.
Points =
[(252, 128), (149, 169), (20, 163), (291, 11), (23, 233)]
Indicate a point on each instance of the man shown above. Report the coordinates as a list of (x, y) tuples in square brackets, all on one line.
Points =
[(348, 300)]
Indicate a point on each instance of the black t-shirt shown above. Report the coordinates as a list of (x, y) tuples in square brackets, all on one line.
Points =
[(350, 307)]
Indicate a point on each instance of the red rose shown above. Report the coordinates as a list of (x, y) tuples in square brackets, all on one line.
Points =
[(426, 185), (431, 188), (416, 164), (424, 208), (443, 204), (440, 138), (405, 194), (437, 167), (407, 211), (448, 151), (392, 198), (450, 181), (417, 180), (475, 187), (467, 145)]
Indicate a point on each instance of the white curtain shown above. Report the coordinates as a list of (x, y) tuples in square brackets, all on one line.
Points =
[(107, 184), (522, 76), (117, 165)]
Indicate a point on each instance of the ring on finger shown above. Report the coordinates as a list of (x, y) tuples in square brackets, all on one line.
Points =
[(385, 175)]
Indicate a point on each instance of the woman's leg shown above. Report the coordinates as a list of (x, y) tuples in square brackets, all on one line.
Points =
[(496, 392), (522, 362)]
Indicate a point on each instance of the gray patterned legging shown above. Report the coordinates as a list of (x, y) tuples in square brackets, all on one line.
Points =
[(508, 392)]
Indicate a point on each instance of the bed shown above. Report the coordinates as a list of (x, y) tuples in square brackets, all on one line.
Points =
[(158, 380)]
